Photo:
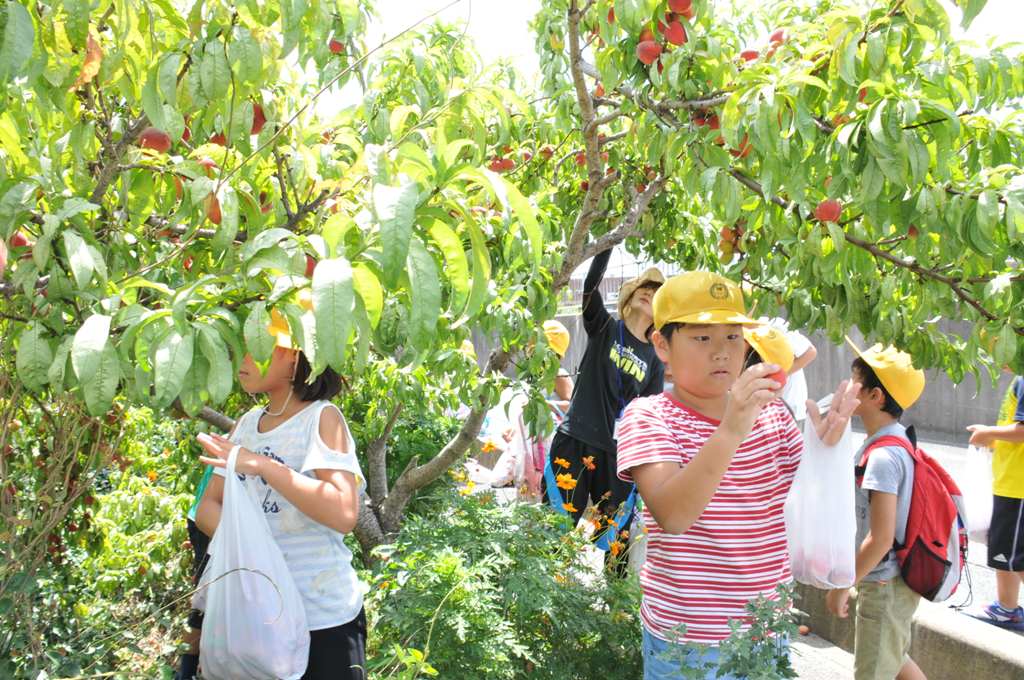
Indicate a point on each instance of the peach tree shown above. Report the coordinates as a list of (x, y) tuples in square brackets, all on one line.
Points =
[(852, 161), (169, 179)]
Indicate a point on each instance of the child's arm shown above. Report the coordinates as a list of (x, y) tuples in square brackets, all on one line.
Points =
[(331, 499), (595, 316), (881, 534), (208, 512), (986, 435), (678, 496), (801, 362), (878, 542)]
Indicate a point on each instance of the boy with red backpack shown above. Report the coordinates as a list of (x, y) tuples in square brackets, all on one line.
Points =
[(885, 603)]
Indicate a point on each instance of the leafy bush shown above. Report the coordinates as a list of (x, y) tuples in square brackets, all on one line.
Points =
[(498, 591), (113, 593)]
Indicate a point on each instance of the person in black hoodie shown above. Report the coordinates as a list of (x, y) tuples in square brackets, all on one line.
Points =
[(619, 364)]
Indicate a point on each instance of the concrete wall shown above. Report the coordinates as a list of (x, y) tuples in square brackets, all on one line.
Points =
[(942, 414)]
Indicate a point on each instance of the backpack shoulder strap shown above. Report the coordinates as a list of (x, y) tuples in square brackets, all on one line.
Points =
[(888, 440)]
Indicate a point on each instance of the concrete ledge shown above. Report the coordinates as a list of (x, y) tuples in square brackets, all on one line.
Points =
[(946, 645)]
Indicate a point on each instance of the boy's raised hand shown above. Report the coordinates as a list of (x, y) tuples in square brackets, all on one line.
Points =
[(751, 392), (830, 428)]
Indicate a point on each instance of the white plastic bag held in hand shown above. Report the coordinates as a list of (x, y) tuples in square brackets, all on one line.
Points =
[(821, 522), (255, 624), (974, 477)]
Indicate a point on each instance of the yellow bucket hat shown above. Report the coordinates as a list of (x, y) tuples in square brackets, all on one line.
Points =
[(651, 277), (772, 344), (895, 370), (700, 298), (558, 337), (278, 326)]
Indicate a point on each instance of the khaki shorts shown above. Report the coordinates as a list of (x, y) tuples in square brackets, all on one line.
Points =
[(885, 610)]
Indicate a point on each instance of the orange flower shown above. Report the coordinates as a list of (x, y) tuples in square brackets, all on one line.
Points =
[(152, 475), (615, 548), (565, 481), (588, 462), (569, 507), (489, 446), (561, 462)]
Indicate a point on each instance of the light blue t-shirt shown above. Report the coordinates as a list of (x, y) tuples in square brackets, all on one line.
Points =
[(890, 469)]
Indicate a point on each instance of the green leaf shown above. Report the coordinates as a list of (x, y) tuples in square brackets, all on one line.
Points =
[(425, 294), (88, 345), (524, 212), (258, 340), (228, 228), (220, 378), (333, 303), (395, 208), (1014, 217), (265, 239), (334, 231), (971, 9), (34, 357), (246, 56), (1006, 346), (172, 358), (152, 104), (988, 212), (19, 35), (481, 266), (76, 24), (214, 72), (59, 367), (848, 59), (370, 292), (80, 256), (10, 140), (456, 266), (99, 390)]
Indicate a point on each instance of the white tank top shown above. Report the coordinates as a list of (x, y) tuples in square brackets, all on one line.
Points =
[(317, 556)]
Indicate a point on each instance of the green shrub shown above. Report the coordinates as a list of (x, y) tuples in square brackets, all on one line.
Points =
[(499, 591)]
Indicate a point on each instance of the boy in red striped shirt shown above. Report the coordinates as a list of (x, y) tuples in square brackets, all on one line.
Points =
[(713, 461)]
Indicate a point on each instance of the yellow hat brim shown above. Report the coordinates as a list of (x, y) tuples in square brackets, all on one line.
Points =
[(766, 352), (714, 316)]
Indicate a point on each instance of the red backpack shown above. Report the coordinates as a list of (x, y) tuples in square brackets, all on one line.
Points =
[(934, 552)]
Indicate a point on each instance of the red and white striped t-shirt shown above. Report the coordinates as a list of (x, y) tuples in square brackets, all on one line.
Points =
[(736, 550)]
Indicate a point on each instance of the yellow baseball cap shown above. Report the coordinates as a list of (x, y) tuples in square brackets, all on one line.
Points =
[(558, 336), (700, 298), (651, 277), (772, 344), (895, 370), (278, 326)]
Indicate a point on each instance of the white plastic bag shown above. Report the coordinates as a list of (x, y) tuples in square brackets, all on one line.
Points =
[(974, 477), (821, 522), (255, 624)]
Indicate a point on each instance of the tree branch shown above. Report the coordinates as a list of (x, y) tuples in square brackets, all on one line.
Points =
[(112, 163), (626, 227), (376, 455), (415, 477)]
